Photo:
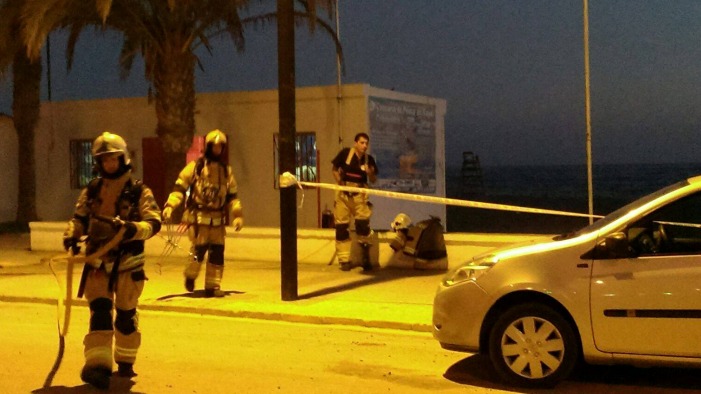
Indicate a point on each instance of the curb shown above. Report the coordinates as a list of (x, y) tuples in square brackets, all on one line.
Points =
[(250, 314)]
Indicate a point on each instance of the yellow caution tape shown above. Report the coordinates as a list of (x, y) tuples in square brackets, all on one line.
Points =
[(287, 180)]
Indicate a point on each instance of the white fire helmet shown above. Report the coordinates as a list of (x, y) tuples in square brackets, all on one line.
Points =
[(401, 222), (109, 142), (215, 137)]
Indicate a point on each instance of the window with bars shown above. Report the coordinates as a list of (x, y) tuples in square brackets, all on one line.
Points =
[(306, 166), (81, 163)]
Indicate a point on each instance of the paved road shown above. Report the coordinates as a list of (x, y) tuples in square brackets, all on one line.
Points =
[(187, 353)]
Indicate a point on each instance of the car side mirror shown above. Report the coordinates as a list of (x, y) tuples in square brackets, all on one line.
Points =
[(614, 246)]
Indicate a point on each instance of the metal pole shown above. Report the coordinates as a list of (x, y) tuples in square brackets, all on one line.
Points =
[(286, 110), (587, 110), (339, 94), (48, 65)]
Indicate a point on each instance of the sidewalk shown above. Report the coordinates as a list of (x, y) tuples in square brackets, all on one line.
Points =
[(386, 298)]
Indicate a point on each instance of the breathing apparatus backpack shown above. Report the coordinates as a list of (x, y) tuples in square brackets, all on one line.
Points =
[(425, 240)]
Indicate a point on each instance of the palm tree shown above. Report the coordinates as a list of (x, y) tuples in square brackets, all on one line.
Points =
[(26, 79), (166, 33)]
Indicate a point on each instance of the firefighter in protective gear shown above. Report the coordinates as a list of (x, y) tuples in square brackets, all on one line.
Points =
[(353, 167), (212, 200), (114, 281)]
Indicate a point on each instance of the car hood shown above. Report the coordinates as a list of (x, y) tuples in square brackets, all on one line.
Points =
[(532, 246)]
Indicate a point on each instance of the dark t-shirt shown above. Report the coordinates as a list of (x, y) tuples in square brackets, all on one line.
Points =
[(352, 172)]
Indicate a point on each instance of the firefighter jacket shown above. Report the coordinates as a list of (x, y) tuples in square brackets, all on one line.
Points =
[(350, 167), (121, 199), (211, 192)]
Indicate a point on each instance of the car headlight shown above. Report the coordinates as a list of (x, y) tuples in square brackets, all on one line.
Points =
[(471, 271)]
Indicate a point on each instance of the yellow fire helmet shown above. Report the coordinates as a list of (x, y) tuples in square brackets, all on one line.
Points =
[(215, 137), (109, 142), (401, 222)]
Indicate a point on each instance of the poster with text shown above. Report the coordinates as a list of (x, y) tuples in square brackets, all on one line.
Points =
[(403, 141)]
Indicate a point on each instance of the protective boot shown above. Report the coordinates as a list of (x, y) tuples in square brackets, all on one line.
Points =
[(191, 273), (343, 253), (212, 280), (367, 265), (209, 293), (365, 243), (96, 376), (189, 285), (126, 370)]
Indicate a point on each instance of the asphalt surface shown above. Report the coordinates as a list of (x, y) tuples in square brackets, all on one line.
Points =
[(391, 298)]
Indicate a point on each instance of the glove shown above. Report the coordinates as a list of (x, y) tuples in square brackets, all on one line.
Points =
[(237, 224), (130, 228), (167, 213), (71, 243)]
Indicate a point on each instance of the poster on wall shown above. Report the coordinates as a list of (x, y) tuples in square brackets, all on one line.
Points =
[(403, 141)]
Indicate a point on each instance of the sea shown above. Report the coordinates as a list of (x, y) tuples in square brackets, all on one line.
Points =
[(557, 187)]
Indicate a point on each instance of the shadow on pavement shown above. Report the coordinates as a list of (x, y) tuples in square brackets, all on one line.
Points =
[(196, 294), (652, 378), (368, 278), (117, 385), (477, 371)]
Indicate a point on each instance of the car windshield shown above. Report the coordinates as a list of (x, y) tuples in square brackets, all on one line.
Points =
[(622, 211)]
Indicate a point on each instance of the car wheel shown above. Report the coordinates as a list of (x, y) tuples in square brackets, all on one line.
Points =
[(531, 345)]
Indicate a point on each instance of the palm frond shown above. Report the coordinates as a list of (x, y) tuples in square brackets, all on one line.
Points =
[(40, 17), (310, 7), (130, 48), (103, 8), (73, 35), (301, 18)]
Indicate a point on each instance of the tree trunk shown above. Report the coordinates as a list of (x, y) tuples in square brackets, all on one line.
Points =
[(174, 85), (25, 113)]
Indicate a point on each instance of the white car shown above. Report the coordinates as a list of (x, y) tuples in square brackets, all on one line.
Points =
[(624, 290)]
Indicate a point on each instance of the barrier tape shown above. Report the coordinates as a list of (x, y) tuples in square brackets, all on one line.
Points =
[(679, 224), (288, 180)]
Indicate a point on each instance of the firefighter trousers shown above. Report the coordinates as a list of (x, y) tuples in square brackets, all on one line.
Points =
[(207, 240), (347, 206), (107, 330)]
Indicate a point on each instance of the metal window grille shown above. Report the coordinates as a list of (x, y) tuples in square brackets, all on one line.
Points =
[(81, 163), (306, 166)]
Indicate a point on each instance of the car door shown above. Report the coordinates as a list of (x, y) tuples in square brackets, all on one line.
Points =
[(650, 303)]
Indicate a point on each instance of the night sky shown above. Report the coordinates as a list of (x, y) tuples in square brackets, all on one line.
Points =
[(512, 73)]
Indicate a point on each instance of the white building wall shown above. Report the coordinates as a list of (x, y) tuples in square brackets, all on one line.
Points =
[(132, 118), (250, 118)]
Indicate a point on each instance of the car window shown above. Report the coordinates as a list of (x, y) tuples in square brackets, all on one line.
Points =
[(615, 215), (674, 229)]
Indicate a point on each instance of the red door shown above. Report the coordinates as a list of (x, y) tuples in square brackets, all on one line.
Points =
[(154, 164)]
